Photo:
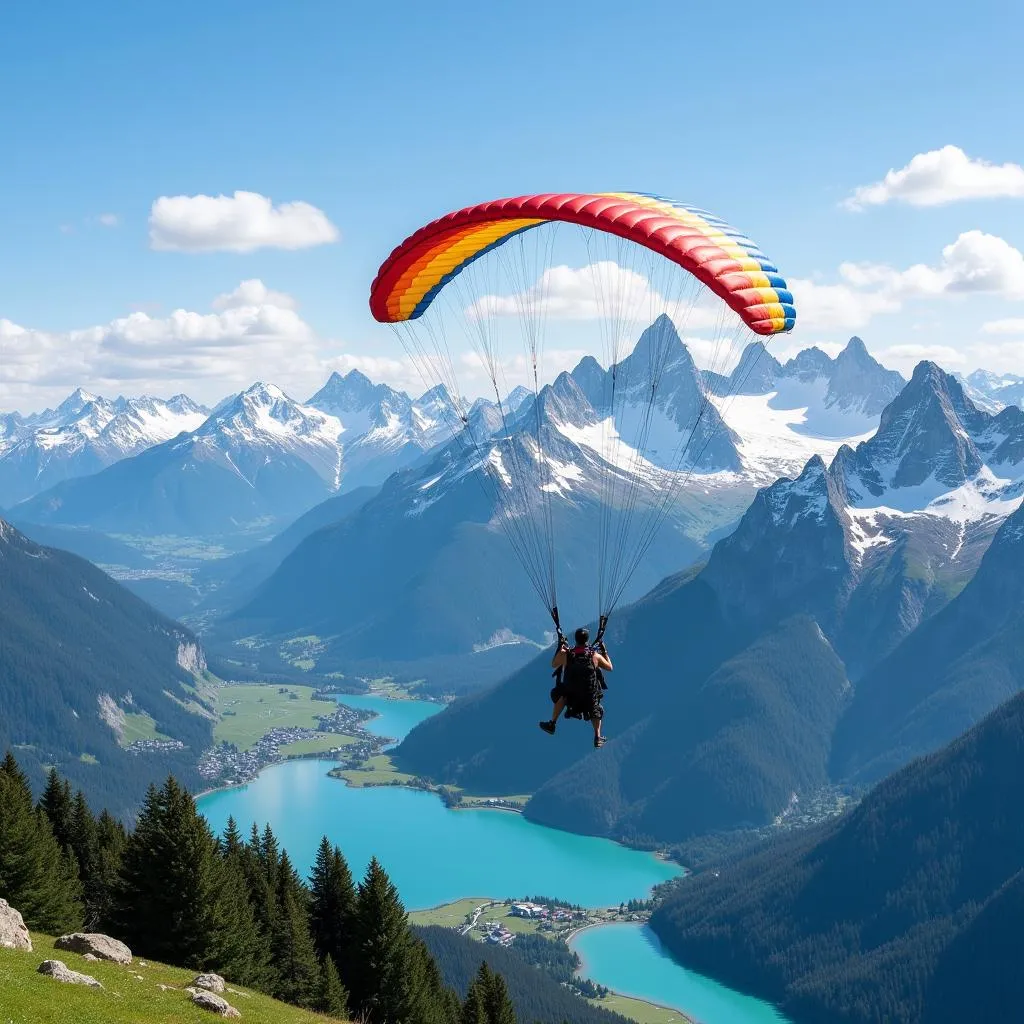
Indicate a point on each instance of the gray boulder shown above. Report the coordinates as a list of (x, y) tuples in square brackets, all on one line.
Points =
[(213, 1003), (211, 982), (59, 971), (13, 933), (103, 947)]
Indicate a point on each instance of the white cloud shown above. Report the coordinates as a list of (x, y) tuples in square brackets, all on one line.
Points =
[(569, 293), (1008, 326), (108, 220), (976, 263), (941, 176), (826, 306), (239, 223), (601, 290), (906, 356), (253, 293), (204, 354)]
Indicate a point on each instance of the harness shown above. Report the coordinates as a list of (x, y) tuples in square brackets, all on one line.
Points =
[(581, 683)]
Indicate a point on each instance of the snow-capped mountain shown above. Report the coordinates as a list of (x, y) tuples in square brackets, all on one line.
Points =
[(257, 462), (993, 391), (83, 435), (383, 430), (782, 414), (880, 539)]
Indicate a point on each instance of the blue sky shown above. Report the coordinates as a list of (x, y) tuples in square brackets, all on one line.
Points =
[(383, 116)]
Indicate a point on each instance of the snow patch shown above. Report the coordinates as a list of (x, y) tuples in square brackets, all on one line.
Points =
[(776, 442)]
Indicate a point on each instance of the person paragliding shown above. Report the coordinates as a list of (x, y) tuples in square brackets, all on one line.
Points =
[(579, 683), (487, 274)]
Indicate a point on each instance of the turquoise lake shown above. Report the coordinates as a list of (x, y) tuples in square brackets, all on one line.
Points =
[(395, 718), (435, 855), (629, 959)]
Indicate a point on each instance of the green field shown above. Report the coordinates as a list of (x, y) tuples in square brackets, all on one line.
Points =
[(449, 915), (638, 1010), (248, 712), (324, 742), (377, 771), (27, 997), (140, 727)]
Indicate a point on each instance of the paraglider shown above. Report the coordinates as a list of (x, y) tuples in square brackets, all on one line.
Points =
[(487, 274)]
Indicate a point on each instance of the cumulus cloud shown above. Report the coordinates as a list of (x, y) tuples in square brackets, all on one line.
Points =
[(941, 176), (826, 306), (976, 263), (185, 350), (253, 293), (598, 291), (238, 223)]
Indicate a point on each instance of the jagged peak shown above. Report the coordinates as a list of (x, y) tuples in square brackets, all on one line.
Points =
[(856, 347), (654, 340), (438, 394)]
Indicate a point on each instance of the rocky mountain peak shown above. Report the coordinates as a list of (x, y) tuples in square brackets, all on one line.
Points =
[(756, 372)]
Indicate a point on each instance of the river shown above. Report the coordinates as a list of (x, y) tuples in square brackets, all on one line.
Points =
[(435, 855)]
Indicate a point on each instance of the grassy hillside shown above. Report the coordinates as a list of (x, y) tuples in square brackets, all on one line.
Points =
[(27, 997)]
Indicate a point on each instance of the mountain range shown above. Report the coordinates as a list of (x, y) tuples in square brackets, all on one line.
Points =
[(993, 392), (383, 430), (83, 435), (906, 909), (816, 646), (258, 461), (437, 536)]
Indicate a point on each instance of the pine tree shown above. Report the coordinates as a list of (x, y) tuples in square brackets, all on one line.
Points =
[(333, 999), (58, 806), (487, 1001), (497, 1003), (36, 876), (240, 950), (262, 898), (298, 972), (332, 911), (474, 1009), (232, 844), (433, 1002), (381, 987), (111, 839), (167, 900)]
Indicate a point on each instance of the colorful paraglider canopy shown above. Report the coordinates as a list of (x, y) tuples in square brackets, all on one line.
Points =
[(719, 256)]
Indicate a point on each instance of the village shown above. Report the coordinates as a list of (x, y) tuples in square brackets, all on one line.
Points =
[(226, 765), (547, 919)]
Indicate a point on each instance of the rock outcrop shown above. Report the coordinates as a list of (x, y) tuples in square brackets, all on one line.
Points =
[(59, 971), (13, 933), (103, 947), (213, 1003), (211, 982)]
